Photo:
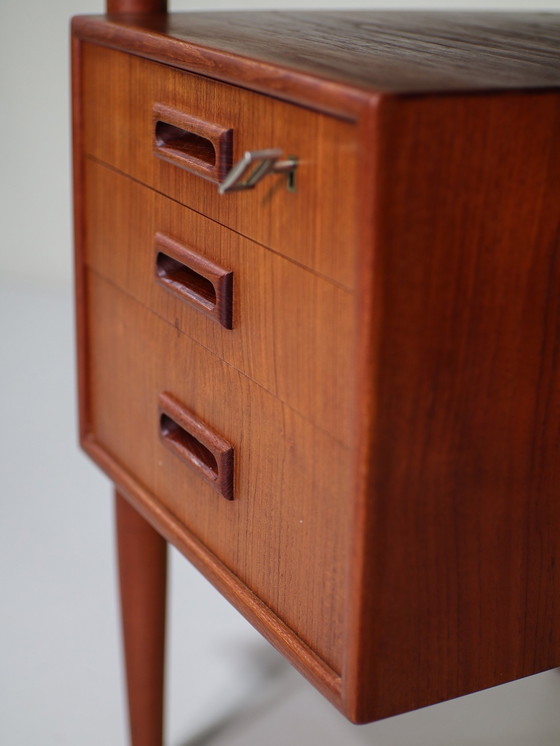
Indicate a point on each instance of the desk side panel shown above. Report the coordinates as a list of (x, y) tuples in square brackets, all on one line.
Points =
[(461, 520)]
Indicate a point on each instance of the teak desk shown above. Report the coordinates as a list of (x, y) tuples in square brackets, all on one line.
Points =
[(336, 389)]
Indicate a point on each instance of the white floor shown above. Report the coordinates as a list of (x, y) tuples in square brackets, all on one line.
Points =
[(60, 675)]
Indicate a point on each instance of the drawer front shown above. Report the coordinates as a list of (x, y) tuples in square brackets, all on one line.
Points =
[(125, 98), (284, 534), (291, 330)]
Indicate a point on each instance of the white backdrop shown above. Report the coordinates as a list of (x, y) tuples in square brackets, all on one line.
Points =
[(35, 216)]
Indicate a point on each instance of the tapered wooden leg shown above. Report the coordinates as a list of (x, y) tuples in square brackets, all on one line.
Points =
[(142, 556)]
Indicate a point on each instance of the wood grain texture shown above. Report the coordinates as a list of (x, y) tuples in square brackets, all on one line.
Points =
[(368, 313), (132, 7), (209, 455), (293, 332), (332, 57), (237, 593), (142, 556), (194, 278), (462, 516), (200, 147), (132, 36), (287, 505), (118, 123), (408, 556)]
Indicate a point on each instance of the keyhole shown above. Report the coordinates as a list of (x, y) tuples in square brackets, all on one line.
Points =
[(291, 179)]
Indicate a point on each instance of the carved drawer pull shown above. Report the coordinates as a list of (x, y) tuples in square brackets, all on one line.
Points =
[(189, 438), (195, 279), (203, 148)]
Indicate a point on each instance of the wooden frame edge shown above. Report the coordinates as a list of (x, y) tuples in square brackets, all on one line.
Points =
[(304, 89), (80, 299), (368, 308)]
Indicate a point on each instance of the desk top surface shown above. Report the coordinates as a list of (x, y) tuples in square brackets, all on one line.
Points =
[(380, 51)]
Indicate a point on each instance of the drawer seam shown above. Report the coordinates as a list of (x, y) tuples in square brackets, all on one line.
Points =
[(110, 281), (303, 267)]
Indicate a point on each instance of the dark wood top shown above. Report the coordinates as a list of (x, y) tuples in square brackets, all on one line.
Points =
[(370, 51)]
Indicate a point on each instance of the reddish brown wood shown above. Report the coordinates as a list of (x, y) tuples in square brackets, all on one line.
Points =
[(206, 452), (118, 130), (368, 311), (298, 363), (328, 59), (79, 236), (195, 279), (460, 516), (142, 554), (153, 43), (274, 629), (285, 505), (136, 6), (411, 557), (201, 147)]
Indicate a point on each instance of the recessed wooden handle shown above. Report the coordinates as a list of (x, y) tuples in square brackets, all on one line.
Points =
[(206, 452), (203, 148), (194, 279)]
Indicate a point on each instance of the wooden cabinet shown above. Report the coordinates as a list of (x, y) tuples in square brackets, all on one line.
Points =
[(336, 392)]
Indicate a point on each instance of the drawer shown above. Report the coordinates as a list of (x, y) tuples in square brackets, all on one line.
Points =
[(285, 532), (291, 330), (314, 225)]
